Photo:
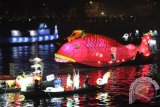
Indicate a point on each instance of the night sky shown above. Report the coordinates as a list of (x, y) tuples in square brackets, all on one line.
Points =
[(14, 13), (75, 7)]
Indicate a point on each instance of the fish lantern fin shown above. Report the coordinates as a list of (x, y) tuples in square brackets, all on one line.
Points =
[(76, 34), (144, 46), (105, 77)]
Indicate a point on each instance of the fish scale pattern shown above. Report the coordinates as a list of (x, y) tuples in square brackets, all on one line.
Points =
[(98, 50)]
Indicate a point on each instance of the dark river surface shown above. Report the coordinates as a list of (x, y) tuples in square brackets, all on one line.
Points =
[(116, 93)]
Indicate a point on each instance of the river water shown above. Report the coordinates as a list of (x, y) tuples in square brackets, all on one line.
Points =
[(116, 93)]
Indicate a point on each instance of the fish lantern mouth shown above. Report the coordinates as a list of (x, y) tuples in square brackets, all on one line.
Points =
[(63, 59)]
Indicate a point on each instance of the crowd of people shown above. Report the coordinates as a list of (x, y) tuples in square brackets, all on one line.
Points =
[(71, 84), (57, 84)]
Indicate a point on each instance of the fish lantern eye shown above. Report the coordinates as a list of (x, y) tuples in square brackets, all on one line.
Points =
[(77, 46)]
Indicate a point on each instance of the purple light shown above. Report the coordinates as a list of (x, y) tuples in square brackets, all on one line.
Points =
[(14, 39), (26, 39), (40, 38), (51, 37), (46, 37), (34, 39), (20, 40)]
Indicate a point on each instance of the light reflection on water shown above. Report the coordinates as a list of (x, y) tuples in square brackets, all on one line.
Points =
[(116, 92)]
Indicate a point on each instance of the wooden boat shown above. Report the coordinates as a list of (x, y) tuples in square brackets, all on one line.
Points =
[(142, 61), (31, 88), (43, 94), (7, 77)]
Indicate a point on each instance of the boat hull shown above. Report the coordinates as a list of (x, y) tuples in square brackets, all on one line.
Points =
[(43, 94), (27, 39), (31, 88)]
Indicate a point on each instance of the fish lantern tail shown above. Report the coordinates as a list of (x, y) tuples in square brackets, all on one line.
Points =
[(106, 77), (144, 46)]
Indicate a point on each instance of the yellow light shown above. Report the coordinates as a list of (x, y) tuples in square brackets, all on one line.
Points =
[(10, 82), (91, 2), (102, 13), (64, 57), (37, 78)]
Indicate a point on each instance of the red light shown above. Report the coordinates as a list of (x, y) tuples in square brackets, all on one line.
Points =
[(99, 62), (117, 61), (101, 55), (97, 54), (110, 62)]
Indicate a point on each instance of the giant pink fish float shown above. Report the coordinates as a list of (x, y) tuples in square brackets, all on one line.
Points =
[(99, 51)]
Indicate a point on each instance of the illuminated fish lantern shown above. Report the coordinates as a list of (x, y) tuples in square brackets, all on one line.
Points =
[(100, 51)]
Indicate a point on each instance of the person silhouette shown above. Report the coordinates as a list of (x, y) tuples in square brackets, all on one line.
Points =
[(86, 82)]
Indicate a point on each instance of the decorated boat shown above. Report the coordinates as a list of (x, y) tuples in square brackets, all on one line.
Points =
[(140, 61), (60, 91), (26, 82), (82, 90), (30, 88), (100, 51), (6, 79), (42, 34)]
